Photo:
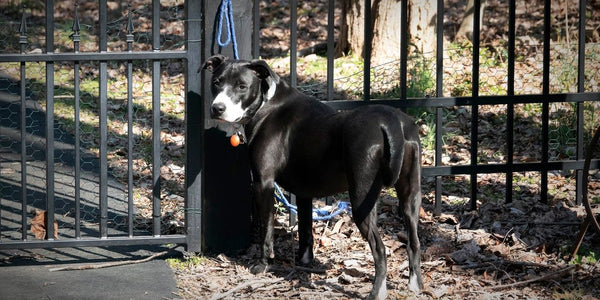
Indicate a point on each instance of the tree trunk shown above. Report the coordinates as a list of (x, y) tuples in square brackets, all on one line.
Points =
[(466, 26), (385, 21), (422, 16)]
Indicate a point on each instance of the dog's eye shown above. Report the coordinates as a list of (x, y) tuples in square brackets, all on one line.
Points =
[(242, 87)]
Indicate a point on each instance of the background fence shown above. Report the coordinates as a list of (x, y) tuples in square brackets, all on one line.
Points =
[(482, 121)]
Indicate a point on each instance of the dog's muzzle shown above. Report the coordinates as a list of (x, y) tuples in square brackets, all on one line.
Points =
[(217, 110)]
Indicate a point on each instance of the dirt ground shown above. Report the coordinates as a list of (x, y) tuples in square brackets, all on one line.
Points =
[(501, 251)]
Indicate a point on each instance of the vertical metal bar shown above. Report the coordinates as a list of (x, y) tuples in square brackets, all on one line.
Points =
[(510, 111), (129, 40), (580, 105), (581, 48), (330, 48), (293, 64), (256, 29), (194, 124), (156, 163), (50, 121), (368, 37), (403, 48), (438, 159), (439, 91), (23, 43), (545, 103), (103, 125), (439, 53), (292, 217), (293, 42), (475, 107), (76, 38)]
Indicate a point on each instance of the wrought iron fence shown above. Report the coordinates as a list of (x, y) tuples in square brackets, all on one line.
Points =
[(564, 114), (85, 117), (103, 162)]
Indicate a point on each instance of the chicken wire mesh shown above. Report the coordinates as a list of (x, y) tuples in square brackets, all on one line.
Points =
[(172, 103)]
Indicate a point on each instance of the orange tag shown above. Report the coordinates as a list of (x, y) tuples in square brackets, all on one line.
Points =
[(234, 140)]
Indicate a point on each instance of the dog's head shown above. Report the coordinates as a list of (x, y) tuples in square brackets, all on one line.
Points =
[(239, 87)]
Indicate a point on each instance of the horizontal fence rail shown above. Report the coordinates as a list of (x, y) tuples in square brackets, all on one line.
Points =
[(95, 56)]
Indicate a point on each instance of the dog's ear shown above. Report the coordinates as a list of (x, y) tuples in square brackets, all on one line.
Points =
[(262, 70), (212, 63)]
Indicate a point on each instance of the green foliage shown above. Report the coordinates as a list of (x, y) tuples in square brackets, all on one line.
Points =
[(426, 117), (421, 78), (585, 256), (186, 262)]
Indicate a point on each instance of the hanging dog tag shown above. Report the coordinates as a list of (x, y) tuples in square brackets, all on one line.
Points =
[(234, 140), (237, 139)]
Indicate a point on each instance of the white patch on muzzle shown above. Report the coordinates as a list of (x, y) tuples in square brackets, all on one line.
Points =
[(233, 111)]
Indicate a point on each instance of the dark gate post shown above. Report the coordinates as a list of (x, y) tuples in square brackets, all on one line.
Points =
[(194, 119), (217, 174)]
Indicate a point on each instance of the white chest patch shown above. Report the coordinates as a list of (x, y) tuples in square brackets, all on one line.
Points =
[(233, 111)]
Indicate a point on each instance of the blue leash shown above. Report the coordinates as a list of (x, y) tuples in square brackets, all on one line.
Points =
[(226, 13), (321, 214)]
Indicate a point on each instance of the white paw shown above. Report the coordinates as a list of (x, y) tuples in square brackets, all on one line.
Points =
[(413, 284)]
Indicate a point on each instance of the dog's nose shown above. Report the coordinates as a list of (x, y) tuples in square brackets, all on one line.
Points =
[(217, 109)]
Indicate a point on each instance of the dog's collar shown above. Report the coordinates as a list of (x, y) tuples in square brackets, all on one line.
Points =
[(238, 136)]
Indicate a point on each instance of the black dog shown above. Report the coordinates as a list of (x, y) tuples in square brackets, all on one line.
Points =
[(314, 151)]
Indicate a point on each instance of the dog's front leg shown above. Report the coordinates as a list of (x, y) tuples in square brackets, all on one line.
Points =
[(305, 235), (263, 199)]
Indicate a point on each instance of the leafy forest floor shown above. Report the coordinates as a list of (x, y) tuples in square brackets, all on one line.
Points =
[(499, 251)]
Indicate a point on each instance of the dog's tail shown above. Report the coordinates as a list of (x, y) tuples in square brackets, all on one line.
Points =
[(393, 135)]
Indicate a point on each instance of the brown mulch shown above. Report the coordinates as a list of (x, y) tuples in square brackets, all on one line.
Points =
[(500, 251)]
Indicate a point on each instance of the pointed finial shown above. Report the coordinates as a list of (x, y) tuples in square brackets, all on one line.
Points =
[(75, 35), (76, 28), (129, 25), (23, 29)]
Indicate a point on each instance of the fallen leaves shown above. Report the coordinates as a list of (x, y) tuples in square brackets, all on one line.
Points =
[(38, 225)]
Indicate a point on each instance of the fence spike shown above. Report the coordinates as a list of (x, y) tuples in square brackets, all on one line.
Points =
[(129, 25), (23, 27), (75, 36), (76, 19)]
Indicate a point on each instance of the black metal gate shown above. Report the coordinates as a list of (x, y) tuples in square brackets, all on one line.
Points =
[(66, 159)]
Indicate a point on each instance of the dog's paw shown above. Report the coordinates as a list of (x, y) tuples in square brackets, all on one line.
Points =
[(259, 268), (415, 284), (304, 258)]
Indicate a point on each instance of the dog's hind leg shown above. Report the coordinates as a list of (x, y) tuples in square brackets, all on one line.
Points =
[(365, 187), (364, 212), (305, 235), (408, 188)]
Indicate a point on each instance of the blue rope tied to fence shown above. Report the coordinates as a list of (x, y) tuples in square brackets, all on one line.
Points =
[(226, 13), (322, 214)]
